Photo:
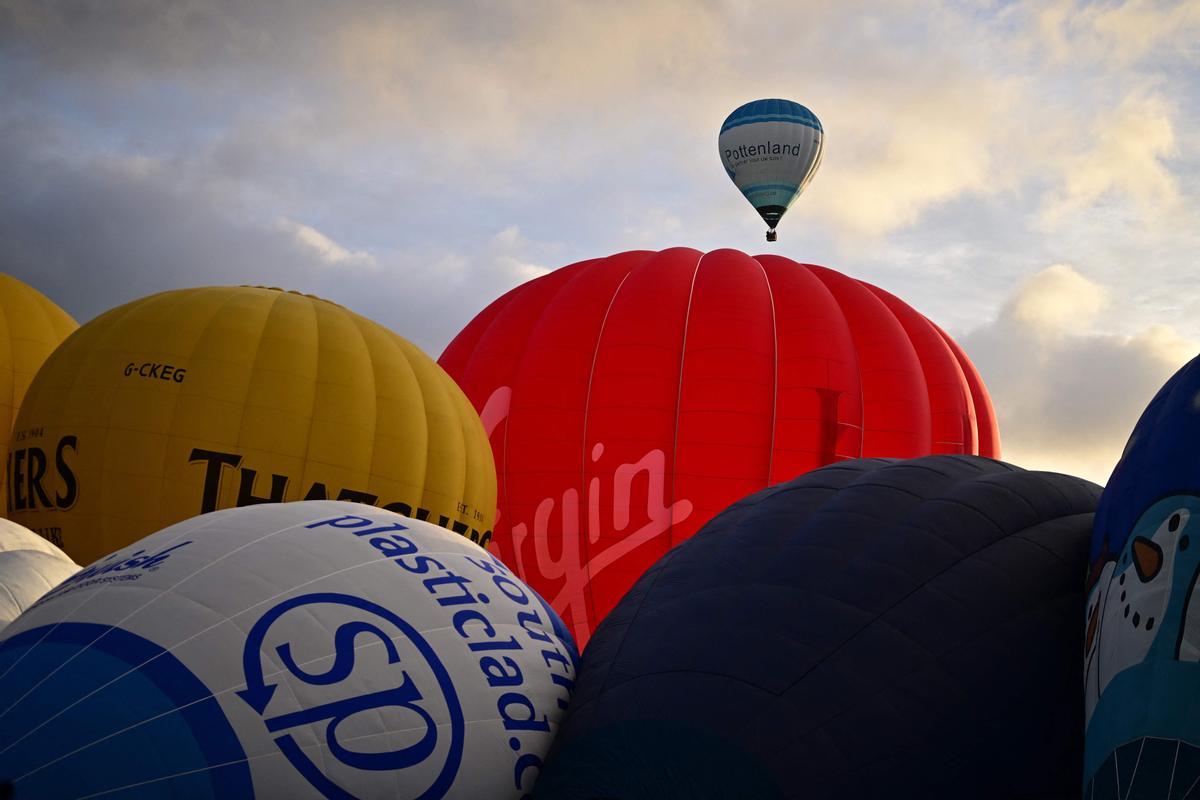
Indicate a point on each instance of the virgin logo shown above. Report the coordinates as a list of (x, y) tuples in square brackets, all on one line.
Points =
[(531, 546)]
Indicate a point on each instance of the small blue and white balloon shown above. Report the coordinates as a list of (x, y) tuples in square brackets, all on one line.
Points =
[(771, 149), (313, 649)]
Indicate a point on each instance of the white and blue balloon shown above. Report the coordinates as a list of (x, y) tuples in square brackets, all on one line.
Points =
[(771, 149), (313, 649)]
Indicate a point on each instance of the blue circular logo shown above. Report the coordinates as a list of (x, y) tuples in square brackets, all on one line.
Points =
[(402, 692)]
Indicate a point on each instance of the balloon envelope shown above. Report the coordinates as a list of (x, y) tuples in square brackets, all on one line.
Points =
[(31, 326), (18, 537), (873, 628), (197, 399), (285, 651), (25, 576), (629, 399), (1142, 621), (771, 149), (30, 566)]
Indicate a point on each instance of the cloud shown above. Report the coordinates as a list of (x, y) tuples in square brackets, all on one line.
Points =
[(326, 249), (925, 104), (97, 231), (511, 252), (1057, 301), (1067, 392), (93, 232), (898, 151), (1126, 158), (463, 147), (1118, 33)]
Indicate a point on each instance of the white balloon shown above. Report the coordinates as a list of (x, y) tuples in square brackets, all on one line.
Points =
[(294, 650), (25, 576), (17, 537)]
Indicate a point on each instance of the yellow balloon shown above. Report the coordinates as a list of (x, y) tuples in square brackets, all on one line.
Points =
[(31, 326), (197, 399)]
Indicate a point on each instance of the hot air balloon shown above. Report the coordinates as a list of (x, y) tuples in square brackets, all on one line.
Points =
[(18, 537), (629, 399), (30, 566), (295, 650), (1142, 623), (197, 399), (874, 628), (25, 577), (31, 326), (771, 149)]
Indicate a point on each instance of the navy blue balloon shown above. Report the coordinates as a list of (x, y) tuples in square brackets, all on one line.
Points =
[(874, 628)]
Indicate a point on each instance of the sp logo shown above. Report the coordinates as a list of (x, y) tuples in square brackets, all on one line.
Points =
[(371, 648)]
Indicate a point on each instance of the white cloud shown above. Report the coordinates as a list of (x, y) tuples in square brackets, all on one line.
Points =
[(924, 103), (1056, 301), (1118, 33), (510, 251), (1128, 146), (1067, 392), (326, 249), (966, 142)]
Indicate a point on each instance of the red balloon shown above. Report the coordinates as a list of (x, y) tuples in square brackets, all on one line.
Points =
[(630, 399)]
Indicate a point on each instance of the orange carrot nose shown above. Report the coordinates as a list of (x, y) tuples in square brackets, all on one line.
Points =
[(1147, 558)]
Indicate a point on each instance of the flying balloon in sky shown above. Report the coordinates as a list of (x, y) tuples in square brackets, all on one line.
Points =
[(771, 150)]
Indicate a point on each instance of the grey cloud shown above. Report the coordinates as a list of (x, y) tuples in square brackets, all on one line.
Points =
[(1066, 392), (414, 132), (97, 233), (93, 233)]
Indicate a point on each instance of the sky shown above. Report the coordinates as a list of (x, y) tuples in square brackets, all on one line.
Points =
[(1023, 173)]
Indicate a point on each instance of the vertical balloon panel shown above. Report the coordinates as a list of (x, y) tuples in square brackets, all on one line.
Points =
[(818, 398), (629, 414)]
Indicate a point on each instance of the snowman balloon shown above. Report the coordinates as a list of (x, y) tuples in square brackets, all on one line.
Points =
[(1142, 621)]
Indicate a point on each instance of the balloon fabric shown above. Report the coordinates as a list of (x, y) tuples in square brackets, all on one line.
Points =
[(1142, 621), (31, 326), (874, 628), (197, 399), (771, 149), (629, 399), (30, 566), (25, 577), (285, 650)]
